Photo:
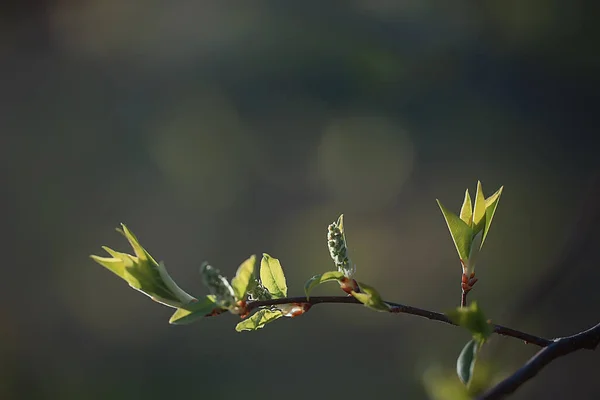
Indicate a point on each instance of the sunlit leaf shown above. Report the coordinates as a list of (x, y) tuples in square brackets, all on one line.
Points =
[(143, 273), (465, 364), (243, 277), (473, 319), (461, 233), (258, 320), (193, 311), (370, 297), (491, 204), (466, 211), (272, 277), (479, 208), (321, 278)]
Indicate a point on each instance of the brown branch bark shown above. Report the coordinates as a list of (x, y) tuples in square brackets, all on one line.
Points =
[(397, 308), (588, 339)]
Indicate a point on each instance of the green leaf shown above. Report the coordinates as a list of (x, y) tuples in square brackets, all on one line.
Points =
[(466, 211), (243, 277), (322, 278), (193, 311), (143, 273), (370, 297), (258, 320), (473, 319), (465, 364), (491, 203), (272, 277), (116, 264), (461, 233), (479, 209)]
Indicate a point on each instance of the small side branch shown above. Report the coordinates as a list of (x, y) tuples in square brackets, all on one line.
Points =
[(397, 308), (588, 339)]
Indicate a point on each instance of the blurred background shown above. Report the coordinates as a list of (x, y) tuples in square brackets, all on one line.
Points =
[(216, 130)]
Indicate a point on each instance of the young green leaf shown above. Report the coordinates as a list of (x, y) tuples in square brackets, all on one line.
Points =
[(465, 364), (370, 298), (143, 273), (272, 277), (258, 320), (193, 311), (491, 203), (479, 209), (243, 277), (473, 319), (466, 211), (461, 233), (321, 278)]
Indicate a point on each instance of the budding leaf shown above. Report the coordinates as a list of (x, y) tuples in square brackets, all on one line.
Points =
[(461, 233), (218, 285), (321, 278), (143, 273), (465, 364), (272, 277), (491, 203), (259, 320), (370, 298), (338, 247), (257, 291), (479, 208), (191, 312), (243, 278), (473, 319), (466, 211)]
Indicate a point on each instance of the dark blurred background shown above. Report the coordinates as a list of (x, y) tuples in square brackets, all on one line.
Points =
[(220, 129)]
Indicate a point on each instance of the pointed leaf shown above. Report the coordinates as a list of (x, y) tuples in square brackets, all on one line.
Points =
[(461, 233), (479, 208), (370, 297), (258, 320), (466, 211), (491, 205), (465, 364), (143, 273), (115, 265), (139, 251), (321, 278), (243, 278), (272, 277), (473, 319), (193, 311), (494, 197)]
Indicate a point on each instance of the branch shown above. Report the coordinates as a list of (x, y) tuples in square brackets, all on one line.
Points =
[(396, 309), (588, 339), (463, 299)]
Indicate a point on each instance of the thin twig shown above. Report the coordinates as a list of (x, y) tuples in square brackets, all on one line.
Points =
[(463, 299), (588, 339), (398, 308)]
